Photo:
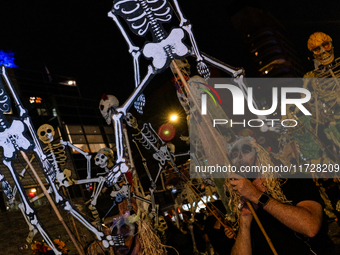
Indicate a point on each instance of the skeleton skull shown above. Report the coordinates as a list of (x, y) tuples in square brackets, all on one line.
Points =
[(46, 133), (243, 153), (131, 120), (101, 160), (162, 225), (104, 158), (321, 45), (105, 106)]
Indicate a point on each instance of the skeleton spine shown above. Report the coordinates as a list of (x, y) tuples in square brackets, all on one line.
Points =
[(156, 28)]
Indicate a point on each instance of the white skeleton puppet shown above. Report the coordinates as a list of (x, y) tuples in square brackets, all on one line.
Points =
[(143, 16), (325, 102), (105, 160), (13, 138), (150, 140), (56, 155)]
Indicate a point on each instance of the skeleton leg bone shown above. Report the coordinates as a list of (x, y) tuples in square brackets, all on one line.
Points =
[(32, 230), (202, 68), (28, 211), (100, 235)]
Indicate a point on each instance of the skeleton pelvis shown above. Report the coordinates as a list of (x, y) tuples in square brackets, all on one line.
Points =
[(12, 137), (157, 50)]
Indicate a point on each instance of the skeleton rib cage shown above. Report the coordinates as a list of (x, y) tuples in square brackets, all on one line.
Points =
[(144, 15)]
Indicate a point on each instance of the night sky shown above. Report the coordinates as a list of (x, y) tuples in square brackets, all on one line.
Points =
[(77, 39)]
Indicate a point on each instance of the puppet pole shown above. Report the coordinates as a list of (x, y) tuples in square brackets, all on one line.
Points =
[(187, 88), (261, 227), (52, 203), (73, 222), (226, 159), (134, 172), (213, 213), (209, 125)]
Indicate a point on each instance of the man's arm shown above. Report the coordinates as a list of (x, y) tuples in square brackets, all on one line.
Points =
[(242, 244), (304, 218)]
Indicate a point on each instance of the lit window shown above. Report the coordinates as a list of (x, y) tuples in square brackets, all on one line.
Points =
[(32, 100)]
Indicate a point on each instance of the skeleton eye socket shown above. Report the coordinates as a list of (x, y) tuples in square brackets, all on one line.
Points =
[(327, 45), (97, 159), (102, 156), (246, 149), (234, 153), (102, 107), (317, 50), (49, 130), (42, 133)]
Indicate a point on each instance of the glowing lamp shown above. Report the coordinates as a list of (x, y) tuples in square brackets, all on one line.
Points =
[(173, 117)]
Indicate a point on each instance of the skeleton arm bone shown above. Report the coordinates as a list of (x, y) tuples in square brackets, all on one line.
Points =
[(133, 50), (117, 119), (236, 73), (86, 155)]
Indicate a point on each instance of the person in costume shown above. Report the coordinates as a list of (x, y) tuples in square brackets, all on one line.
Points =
[(290, 210)]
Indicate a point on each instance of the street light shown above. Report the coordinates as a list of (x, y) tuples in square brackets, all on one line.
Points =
[(173, 117)]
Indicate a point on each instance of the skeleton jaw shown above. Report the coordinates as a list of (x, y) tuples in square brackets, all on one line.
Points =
[(326, 59), (107, 117)]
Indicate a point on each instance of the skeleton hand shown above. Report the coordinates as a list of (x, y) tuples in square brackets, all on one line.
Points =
[(114, 174), (203, 70)]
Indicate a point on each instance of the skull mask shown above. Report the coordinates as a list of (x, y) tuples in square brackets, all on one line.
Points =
[(321, 46), (46, 133), (106, 105), (243, 153)]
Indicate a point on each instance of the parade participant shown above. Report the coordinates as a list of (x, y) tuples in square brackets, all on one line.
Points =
[(290, 210), (220, 238)]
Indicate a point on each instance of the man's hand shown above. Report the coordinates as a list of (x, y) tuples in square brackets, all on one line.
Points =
[(229, 232), (246, 217), (246, 189)]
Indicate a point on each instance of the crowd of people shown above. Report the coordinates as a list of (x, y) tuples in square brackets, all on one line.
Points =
[(295, 224), (290, 216), (201, 233)]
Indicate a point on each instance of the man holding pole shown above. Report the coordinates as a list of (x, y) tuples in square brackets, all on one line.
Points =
[(289, 213)]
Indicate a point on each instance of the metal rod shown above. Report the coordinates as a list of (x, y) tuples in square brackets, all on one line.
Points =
[(261, 227), (52, 203)]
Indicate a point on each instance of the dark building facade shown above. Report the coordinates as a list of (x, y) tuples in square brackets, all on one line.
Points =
[(56, 100), (270, 52)]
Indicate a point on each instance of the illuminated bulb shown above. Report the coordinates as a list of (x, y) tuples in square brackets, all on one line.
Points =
[(166, 132), (266, 72), (173, 117), (33, 190)]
